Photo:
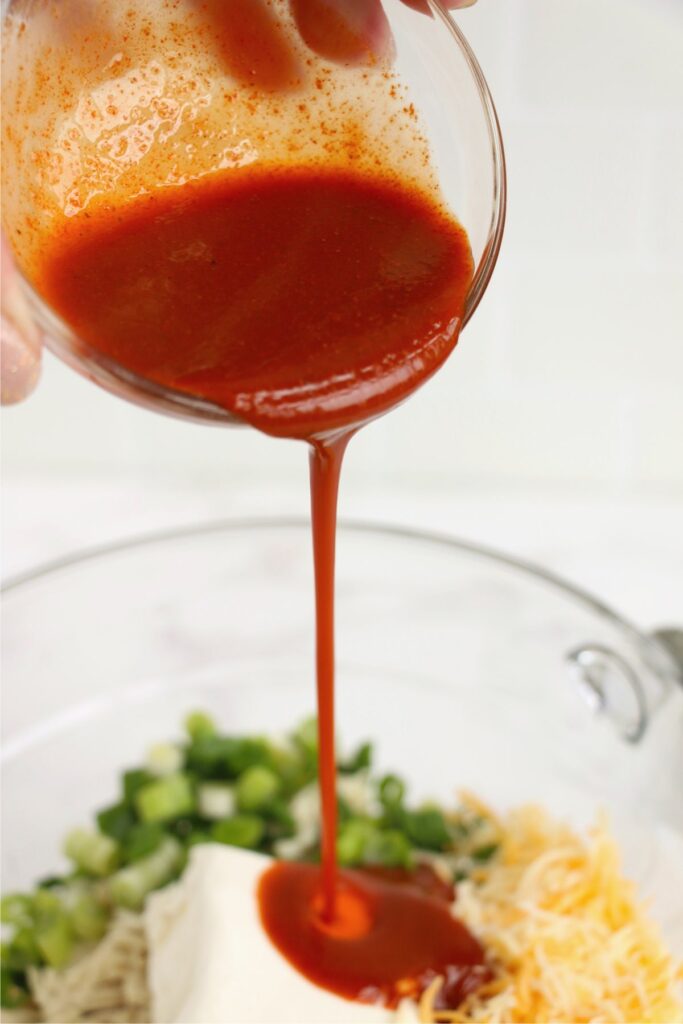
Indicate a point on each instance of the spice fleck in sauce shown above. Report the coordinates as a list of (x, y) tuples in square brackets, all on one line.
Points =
[(306, 302)]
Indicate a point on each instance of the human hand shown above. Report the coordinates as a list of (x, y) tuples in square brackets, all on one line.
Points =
[(20, 339)]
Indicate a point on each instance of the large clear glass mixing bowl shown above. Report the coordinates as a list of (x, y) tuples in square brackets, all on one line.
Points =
[(467, 668)]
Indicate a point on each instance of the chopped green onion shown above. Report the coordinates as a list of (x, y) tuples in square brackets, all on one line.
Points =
[(89, 918), (280, 823), (392, 791), (361, 842), (293, 770), (165, 759), (184, 827), (45, 902), (166, 799), (427, 828), (215, 800), (133, 782), (116, 821), (142, 840), (244, 830), (352, 840), (484, 853), (223, 757), (198, 837), (388, 848), (306, 737), (131, 885), (13, 988), (198, 723), (16, 909), (55, 940), (22, 951), (361, 759), (51, 882), (256, 788), (93, 852), (344, 811)]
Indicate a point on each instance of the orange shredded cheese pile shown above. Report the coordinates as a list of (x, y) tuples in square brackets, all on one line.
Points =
[(566, 934)]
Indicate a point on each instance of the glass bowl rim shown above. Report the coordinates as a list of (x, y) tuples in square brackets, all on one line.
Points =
[(392, 531), (491, 252)]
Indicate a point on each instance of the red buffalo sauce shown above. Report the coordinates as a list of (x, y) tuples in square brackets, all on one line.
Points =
[(306, 302), (387, 941)]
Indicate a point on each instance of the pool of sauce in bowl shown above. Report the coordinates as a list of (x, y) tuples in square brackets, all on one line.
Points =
[(387, 940), (307, 302)]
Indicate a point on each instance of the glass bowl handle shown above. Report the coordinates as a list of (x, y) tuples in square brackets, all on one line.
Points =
[(624, 690), (671, 639)]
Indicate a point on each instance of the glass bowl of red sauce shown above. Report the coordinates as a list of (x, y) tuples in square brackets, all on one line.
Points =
[(467, 669), (201, 221)]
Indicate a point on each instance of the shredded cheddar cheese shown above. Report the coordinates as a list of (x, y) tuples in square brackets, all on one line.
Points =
[(565, 932)]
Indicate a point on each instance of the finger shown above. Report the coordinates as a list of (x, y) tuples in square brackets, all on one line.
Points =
[(344, 31), (20, 341), (252, 44), (19, 365)]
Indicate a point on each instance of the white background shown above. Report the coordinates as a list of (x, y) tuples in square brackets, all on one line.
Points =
[(556, 430)]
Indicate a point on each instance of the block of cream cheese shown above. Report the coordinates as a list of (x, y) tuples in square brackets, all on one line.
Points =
[(210, 962)]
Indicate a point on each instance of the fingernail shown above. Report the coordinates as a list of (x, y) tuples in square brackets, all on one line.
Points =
[(19, 365)]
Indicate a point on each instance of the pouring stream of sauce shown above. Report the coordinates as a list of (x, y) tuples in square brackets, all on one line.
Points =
[(326, 462)]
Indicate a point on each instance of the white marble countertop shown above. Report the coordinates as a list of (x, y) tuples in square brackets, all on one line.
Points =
[(628, 551)]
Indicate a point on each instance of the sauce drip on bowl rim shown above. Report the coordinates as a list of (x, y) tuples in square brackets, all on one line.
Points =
[(307, 302)]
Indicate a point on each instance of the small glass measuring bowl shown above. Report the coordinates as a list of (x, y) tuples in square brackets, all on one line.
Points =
[(72, 135)]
